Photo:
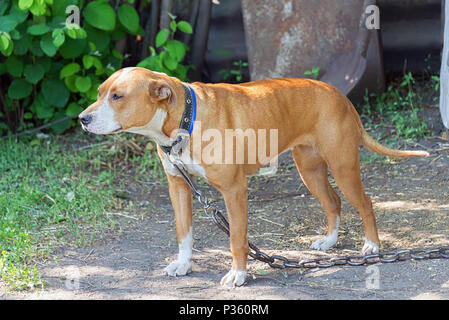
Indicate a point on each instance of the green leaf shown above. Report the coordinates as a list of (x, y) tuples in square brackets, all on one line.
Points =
[(19, 89), (93, 92), (83, 84), (58, 37), (25, 4), (9, 50), (72, 48), (35, 48), (148, 63), (43, 111), (129, 18), (99, 69), (22, 45), (16, 34), (76, 33), (4, 42), (34, 73), (73, 109), (100, 15), (185, 27), (62, 126), (28, 115), (55, 92), (38, 29), (69, 70), (47, 45), (45, 62), (88, 61), (71, 33), (99, 38), (14, 67), (35, 141), (3, 7), (80, 33), (117, 54), (7, 23), (176, 49), (170, 63), (38, 8), (70, 83), (161, 37), (181, 72), (173, 26), (18, 15)]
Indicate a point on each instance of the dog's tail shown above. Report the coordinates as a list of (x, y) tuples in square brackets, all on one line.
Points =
[(375, 146), (379, 148)]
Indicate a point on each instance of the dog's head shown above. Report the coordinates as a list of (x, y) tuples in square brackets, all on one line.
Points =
[(134, 100)]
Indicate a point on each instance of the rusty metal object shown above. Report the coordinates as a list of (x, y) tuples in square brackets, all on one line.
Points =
[(286, 38), (347, 70)]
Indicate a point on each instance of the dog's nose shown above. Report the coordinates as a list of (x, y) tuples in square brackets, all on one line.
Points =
[(86, 119)]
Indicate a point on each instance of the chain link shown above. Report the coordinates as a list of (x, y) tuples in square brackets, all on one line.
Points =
[(281, 262)]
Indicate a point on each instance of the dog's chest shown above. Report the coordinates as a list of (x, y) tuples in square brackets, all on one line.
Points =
[(191, 166)]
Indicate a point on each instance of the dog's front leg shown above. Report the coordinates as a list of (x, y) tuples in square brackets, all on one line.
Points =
[(181, 198), (236, 200)]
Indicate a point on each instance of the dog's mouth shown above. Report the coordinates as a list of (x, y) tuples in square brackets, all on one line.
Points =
[(117, 130), (86, 128)]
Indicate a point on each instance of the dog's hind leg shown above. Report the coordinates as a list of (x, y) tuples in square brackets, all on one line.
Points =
[(313, 171), (346, 170)]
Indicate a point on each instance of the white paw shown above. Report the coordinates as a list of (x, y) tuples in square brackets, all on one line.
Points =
[(179, 268), (370, 247), (234, 278), (325, 242)]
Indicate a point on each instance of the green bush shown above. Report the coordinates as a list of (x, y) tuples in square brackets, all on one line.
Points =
[(52, 68), (171, 51)]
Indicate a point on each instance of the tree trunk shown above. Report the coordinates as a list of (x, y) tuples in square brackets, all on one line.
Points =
[(166, 8), (444, 73), (201, 34), (151, 28), (187, 38)]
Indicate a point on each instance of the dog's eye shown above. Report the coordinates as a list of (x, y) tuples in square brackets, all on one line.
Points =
[(116, 97)]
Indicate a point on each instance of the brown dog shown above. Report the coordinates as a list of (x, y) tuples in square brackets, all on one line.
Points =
[(313, 119)]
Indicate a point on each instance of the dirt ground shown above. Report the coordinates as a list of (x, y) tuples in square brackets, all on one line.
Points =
[(410, 199)]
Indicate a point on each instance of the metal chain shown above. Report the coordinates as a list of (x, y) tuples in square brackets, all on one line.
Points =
[(281, 262)]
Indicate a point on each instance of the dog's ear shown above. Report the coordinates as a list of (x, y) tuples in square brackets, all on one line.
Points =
[(160, 90)]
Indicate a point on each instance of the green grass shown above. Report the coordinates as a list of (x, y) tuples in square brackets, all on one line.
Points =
[(395, 116), (398, 108), (57, 191)]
